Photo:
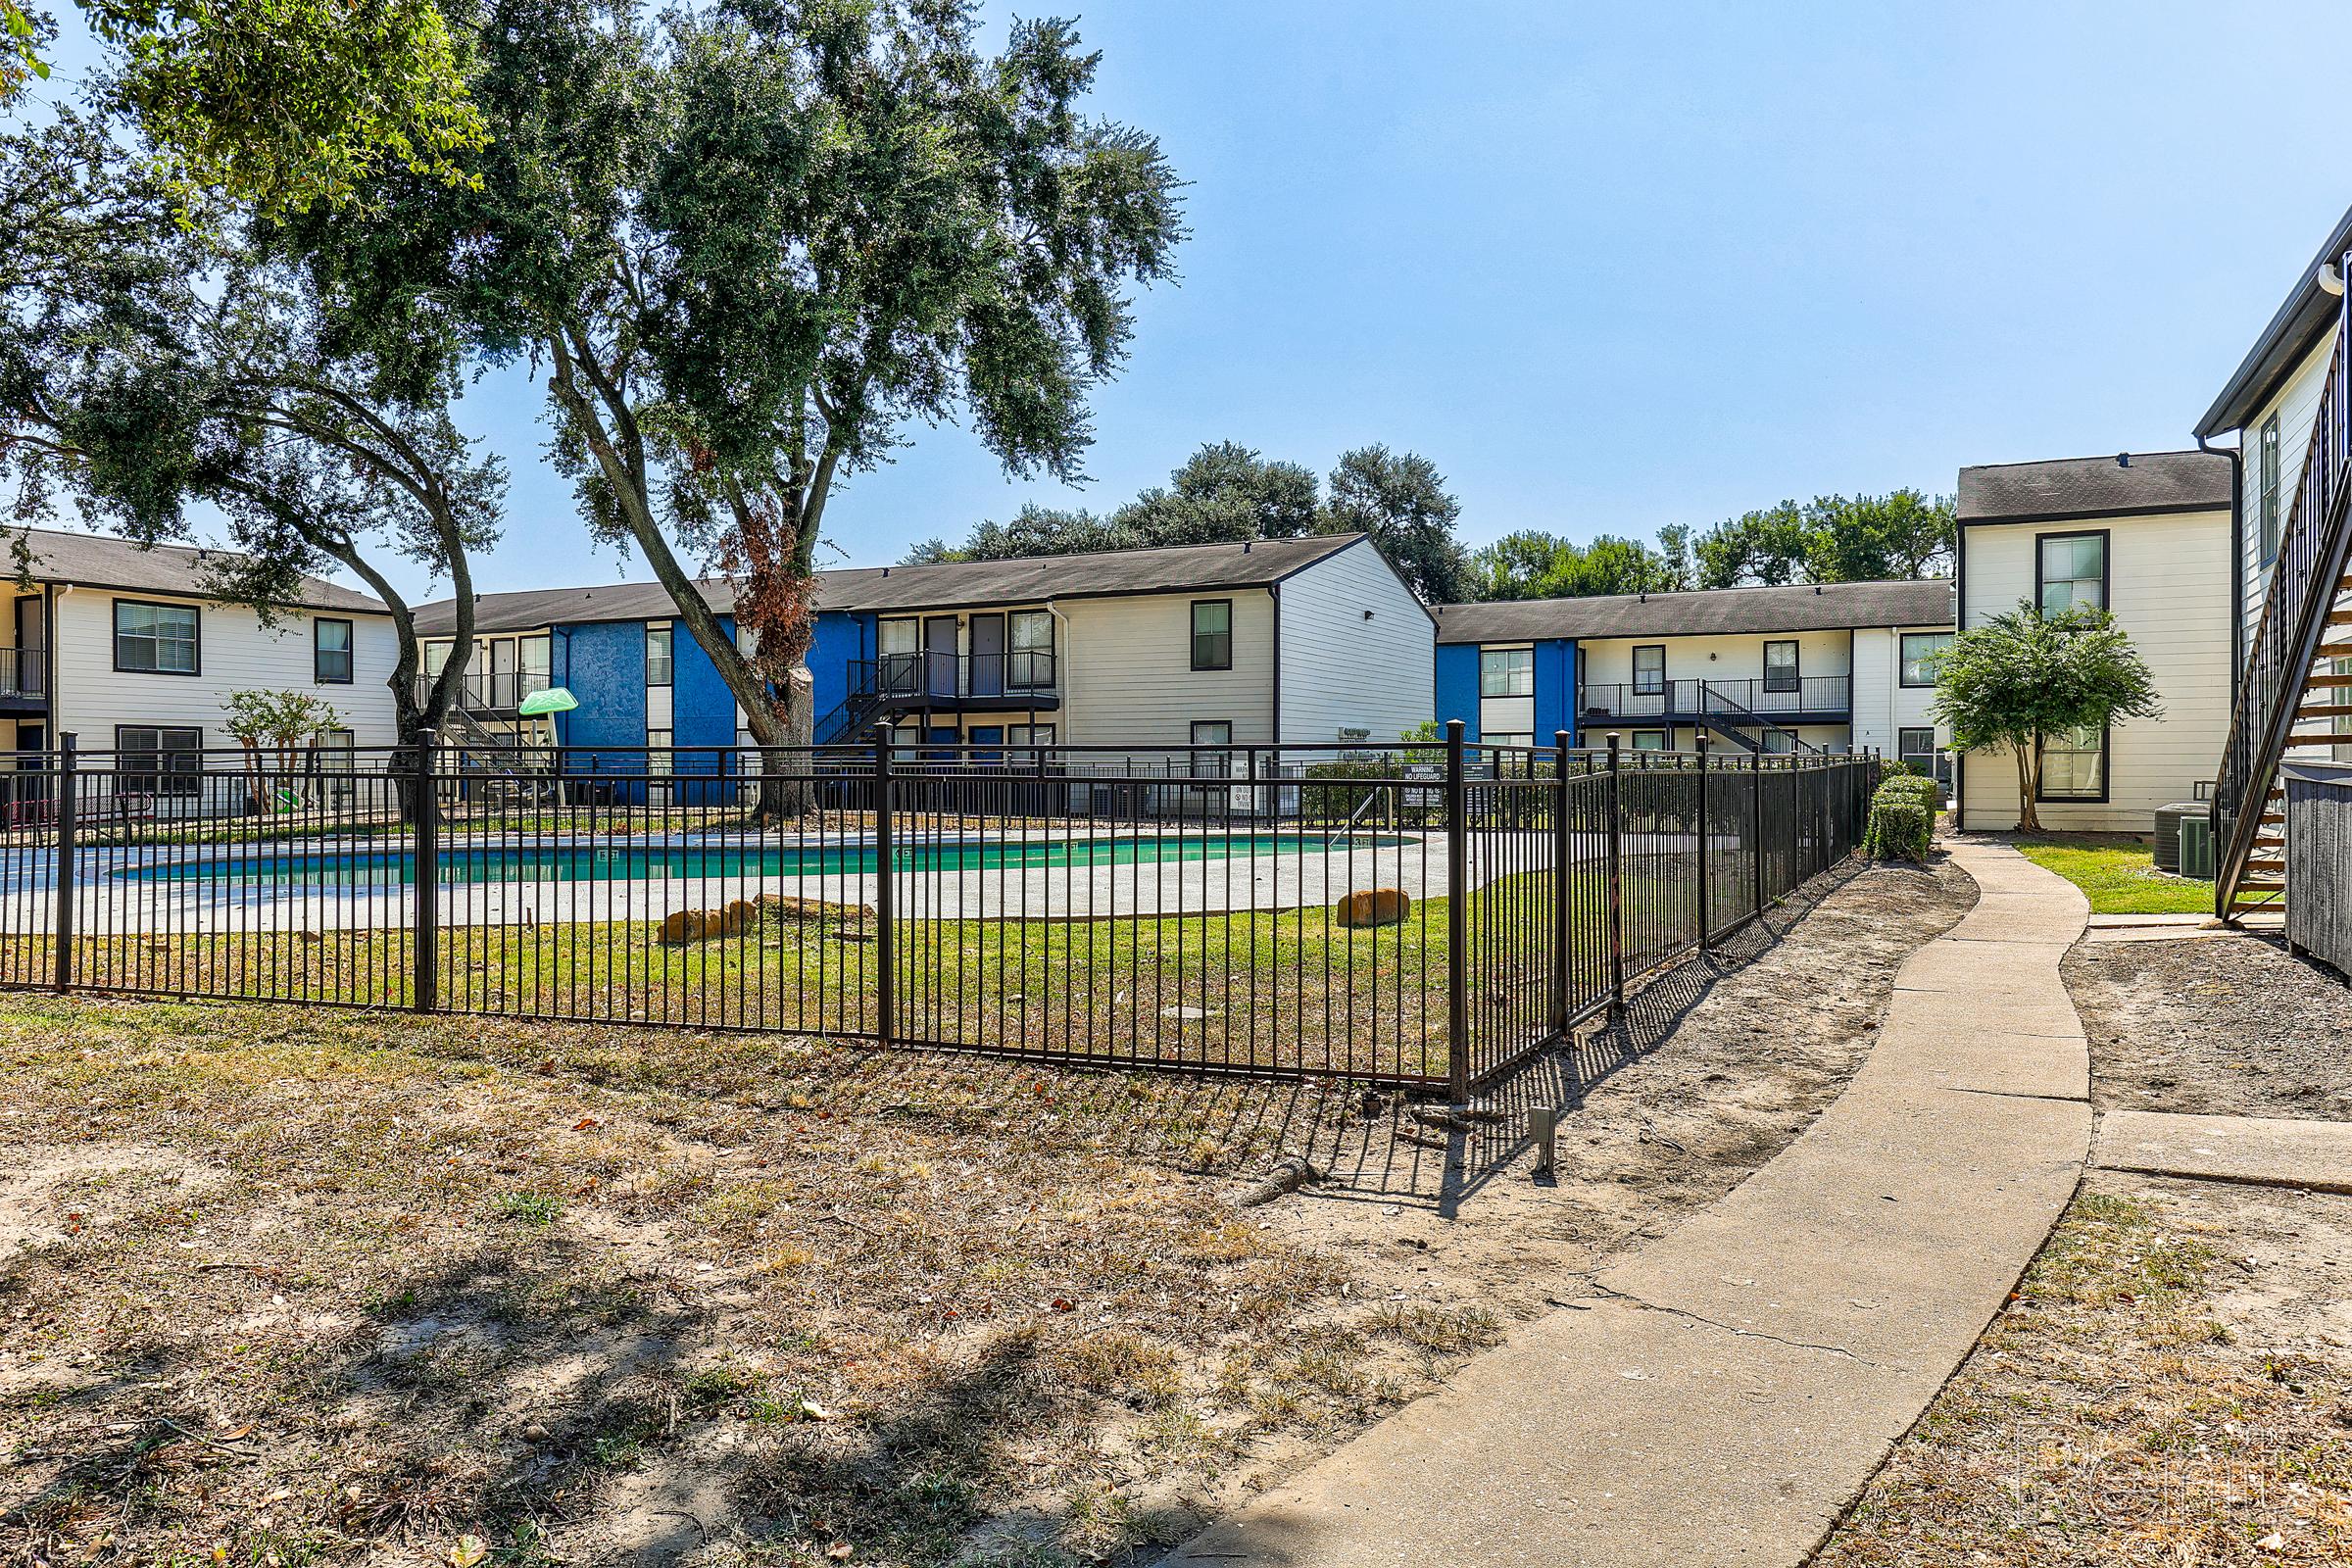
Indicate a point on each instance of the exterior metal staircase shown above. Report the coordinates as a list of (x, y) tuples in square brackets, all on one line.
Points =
[(1740, 724), (850, 721), (2295, 686)]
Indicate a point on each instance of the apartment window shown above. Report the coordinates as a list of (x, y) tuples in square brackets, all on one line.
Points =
[(657, 667), (338, 761), (2267, 496), (1212, 732), (1506, 672), (158, 758), (1650, 740), (1780, 741), (1649, 671), (2071, 571), (1923, 650), (1507, 739), (331, 653), (1780, 668), (536, 654), (1029, 664), (657, 757), (1212, 634), (436, 659), (2074, 767), (155, 639), (1029, 734), (1915, 749)]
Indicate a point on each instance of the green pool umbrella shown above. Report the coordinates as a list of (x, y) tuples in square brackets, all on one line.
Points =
[(554, 700)]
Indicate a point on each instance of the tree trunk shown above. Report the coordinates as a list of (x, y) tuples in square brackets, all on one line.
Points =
[(2028, 785)]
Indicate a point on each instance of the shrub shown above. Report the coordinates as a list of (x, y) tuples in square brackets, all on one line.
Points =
[(1903, 819)]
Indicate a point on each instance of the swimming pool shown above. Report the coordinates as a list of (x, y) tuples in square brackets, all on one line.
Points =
[(661, 863)]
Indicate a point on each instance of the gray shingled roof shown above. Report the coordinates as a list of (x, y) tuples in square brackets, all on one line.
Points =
[(2095, 487), (2293, 330), (1172, 569), (1826, 607), (96, 560)]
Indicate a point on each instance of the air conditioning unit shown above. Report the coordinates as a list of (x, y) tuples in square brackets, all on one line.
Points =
[(2196, 848)]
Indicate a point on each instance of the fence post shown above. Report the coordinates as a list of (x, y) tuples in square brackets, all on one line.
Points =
[(66, 776), (1616, 880), (1705, 943), (1458, 916), (1756, 831), (1562, 902), (886, 956), (424, 894)]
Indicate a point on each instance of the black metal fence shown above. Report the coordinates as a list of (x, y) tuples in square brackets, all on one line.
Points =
[(1422, 917)]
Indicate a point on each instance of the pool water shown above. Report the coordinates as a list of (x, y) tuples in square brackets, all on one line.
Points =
[(657, 862)]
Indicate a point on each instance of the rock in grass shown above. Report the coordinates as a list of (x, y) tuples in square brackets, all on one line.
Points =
[(681, 928), (1378, 907), (1290, 1173)]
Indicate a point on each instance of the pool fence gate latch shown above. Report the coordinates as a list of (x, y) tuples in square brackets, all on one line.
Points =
[(1543, 1130)]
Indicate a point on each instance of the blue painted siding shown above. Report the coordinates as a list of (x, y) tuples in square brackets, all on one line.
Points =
[(1555, 690), (1554, 695), (840, 637), (1457, 686)]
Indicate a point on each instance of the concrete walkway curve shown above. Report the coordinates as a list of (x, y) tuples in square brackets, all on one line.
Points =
[(1730, 1387)]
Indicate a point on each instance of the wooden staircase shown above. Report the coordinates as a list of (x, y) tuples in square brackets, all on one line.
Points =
[(2296, 689)]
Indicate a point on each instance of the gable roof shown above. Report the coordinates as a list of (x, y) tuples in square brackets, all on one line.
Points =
[(2293, 330), (98, 561), (2128, 484), (947, 585), (1803, 607)]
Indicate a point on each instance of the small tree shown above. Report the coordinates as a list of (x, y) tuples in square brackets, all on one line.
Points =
[(282, 722), (2023, 676)]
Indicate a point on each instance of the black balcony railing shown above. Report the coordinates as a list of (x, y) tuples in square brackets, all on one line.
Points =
[(23, 671), (1826, 698), (496, 693), (917, 678)]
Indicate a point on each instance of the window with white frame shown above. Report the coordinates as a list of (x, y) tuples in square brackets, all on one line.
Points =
[(2072, 571), (659, 755), (1507, 672), (1650, 740), (1212, 763), (658, 667), (1029, 661), (1650, 669), (2073, 765), (1923, 650)]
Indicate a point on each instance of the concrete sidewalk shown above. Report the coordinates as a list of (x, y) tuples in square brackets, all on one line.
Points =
[(2259, 1150), (1731, 1387)]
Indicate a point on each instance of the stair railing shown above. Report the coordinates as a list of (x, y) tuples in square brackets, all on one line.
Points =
[(2313, 551)]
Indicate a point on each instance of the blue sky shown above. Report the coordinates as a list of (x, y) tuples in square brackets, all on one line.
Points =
[(1617, 266)]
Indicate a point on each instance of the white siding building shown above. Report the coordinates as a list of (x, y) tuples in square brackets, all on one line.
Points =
[(2147, 535), (125, 650)]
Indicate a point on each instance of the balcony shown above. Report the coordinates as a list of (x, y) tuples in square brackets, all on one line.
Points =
[(900, 682), (23, 679), (1811, 700), (499, 692)]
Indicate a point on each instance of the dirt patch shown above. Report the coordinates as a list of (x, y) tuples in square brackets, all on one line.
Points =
[(2172, 1387), (604, 1296), (2227, 1025)]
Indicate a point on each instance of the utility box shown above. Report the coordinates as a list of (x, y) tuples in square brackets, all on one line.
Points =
[(2169, 821), (2195, 840)]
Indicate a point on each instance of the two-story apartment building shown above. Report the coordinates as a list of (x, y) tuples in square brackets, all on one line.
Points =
[(1830, 666), (1300, 641), (2146, 536), (124, 649)]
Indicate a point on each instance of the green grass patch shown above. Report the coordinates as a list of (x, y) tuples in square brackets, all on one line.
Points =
[(2119, 877)]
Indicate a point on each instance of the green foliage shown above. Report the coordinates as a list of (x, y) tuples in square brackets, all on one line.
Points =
[(1903, 819), (278, 104), (2023, 676), (1226, 492), (1534, 565), (1902, 534), (748, 247), (279, 718)]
